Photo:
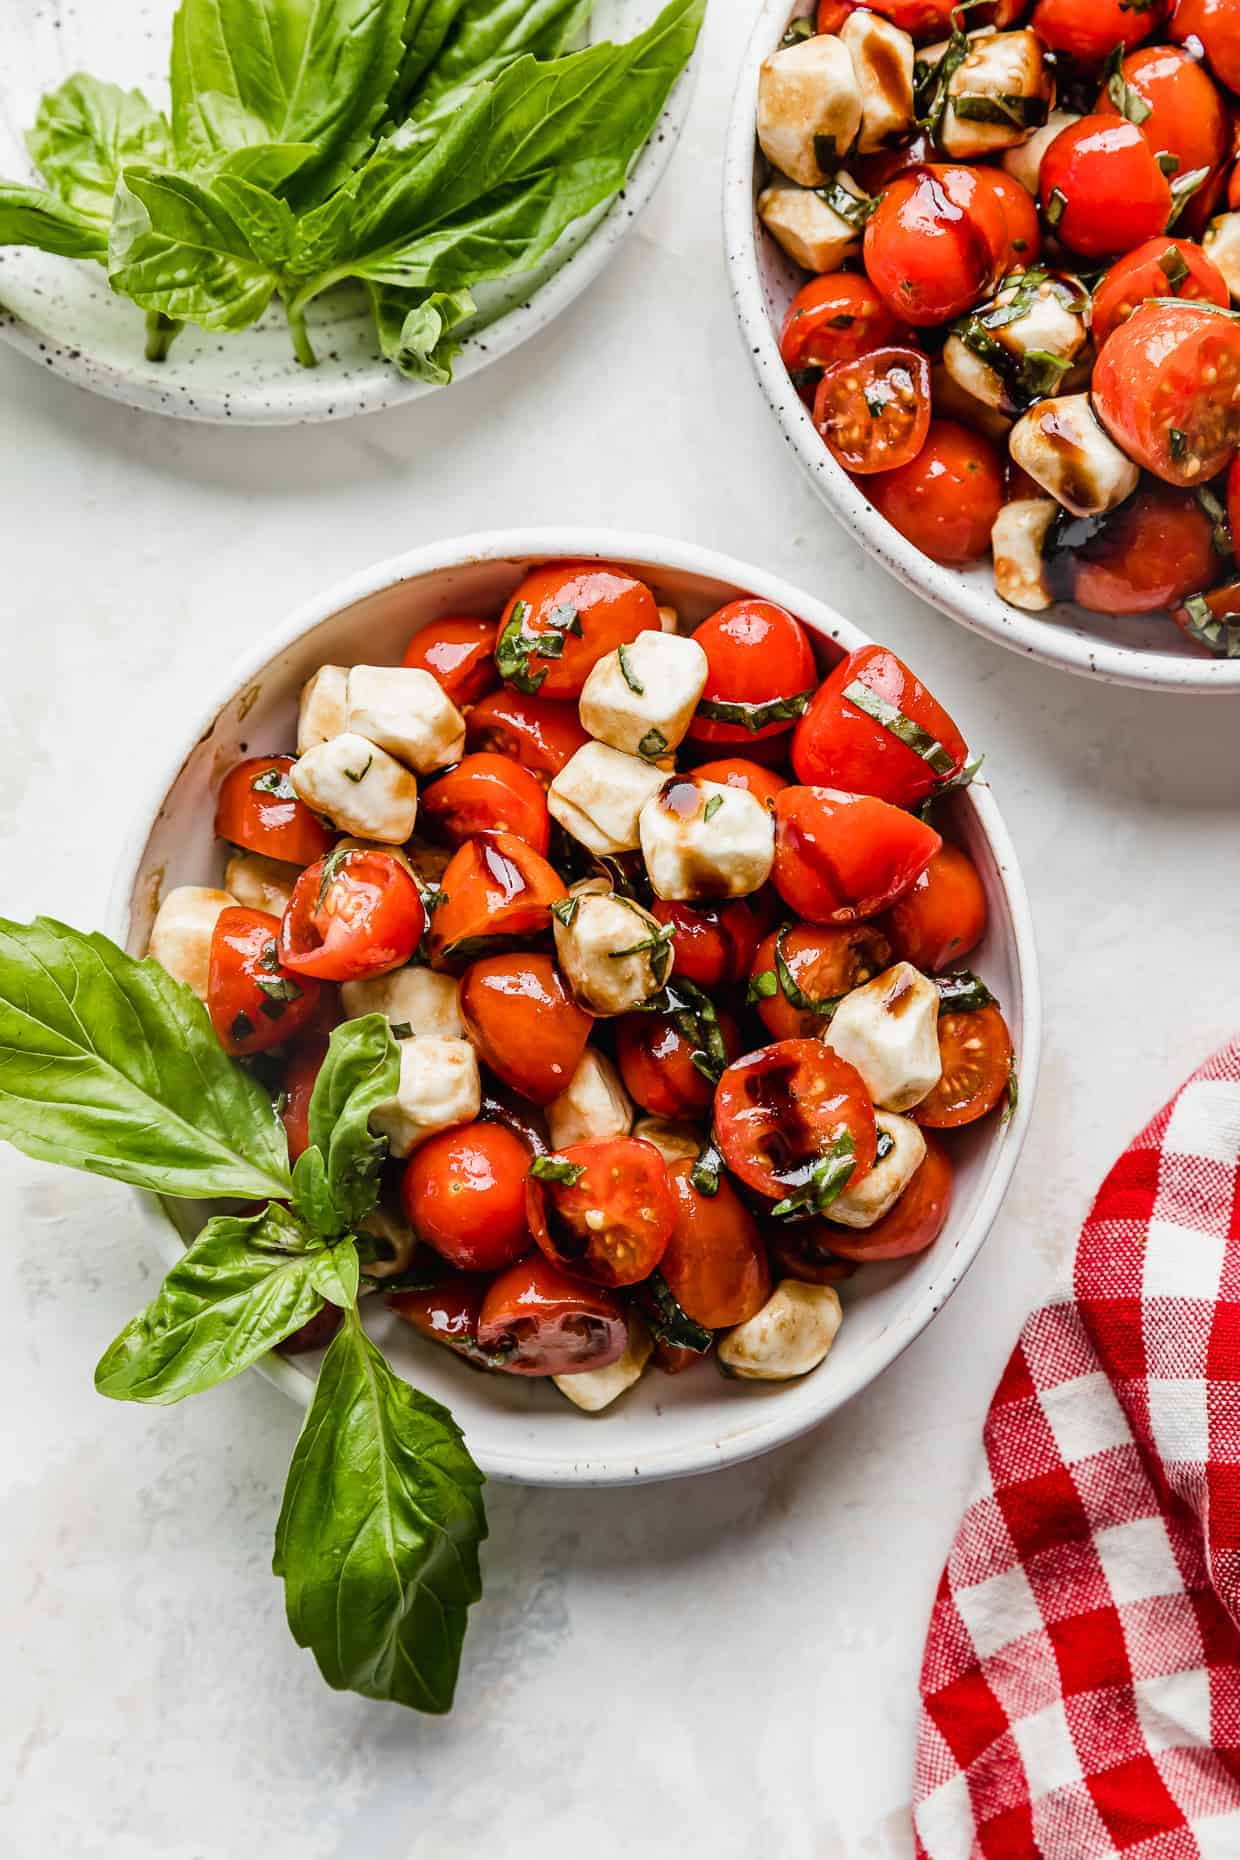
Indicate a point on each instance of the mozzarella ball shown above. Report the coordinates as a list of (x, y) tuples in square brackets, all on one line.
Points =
[(1018, 539), (439, 1087), (1047, 327), (598, 795), (889, 1030), (809, 108), (261, 884), (1065, 449), (791, 1334), (1222, 248), (181, 934), (594, 1389), (813, 234), (1024, 162), (669, 619), (674, 1140), (359, 787), (420, 1000), (952, 401), (407, 712), (641, 698), (999, 66), (321, 712), (702, 839), (593, 1105), (877, 1192), (613, 954), (882, 59)]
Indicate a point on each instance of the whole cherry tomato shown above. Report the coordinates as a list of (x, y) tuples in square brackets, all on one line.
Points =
[(1150, 553), (873, 172), (840, 858), (464, 1192), (447, 1312), (739, 772), (942, 915), (1166, 388), (714, 943), (976, 1050), (459, 652), (486, 794), (495, 889), (786, 1113), (1159, 268), (664, 1069), (837, 318), (1212, 620), (1088, 29), (801, 971), (760, 665), (305, 1062), (352, 915), (603, 1211), (715, 1264), (537, 1321), (1180, 110), (937, 243), (874, 728), (1020, 214), (1101, 188), (252, 999), (1215, 24), (915, 1222), (258, 809), (524, 1023), (944, 501), (563, 619), (874, 414), (541, 734)]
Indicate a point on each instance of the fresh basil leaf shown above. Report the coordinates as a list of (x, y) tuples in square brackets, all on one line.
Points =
[(336, 1273), (628, 674), (1007, 111), (378, 1535), (265, 221), (668, 1320), (486, 37), (427, 25), (556, 1169), (29, 216), (176, 248), (108, 1065), (962, 992), (361, 1072), (415, 329), (312, 1195), (84, 134), (242, 1287), (754, 717), (1219, 632), (828, 1177), (266, 164)]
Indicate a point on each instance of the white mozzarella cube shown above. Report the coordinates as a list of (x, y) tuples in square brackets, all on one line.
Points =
[(641, 698), (320, 715), (1049, 325), (889, 1030), (674, 1140), (1222, 248), (593, 1105), (702, 839), (954, 402), (261, 884), (598, 795), (1018, 540), (595, 1389), (669, 619), (812, 233), (791, 1334), (182, 931), (407, 712), (359, 787), (877, 1192), (1065, 449), (415, 1000), (809, 108), (882, 58), (1004, 72), (1024, 162), (439, 1087), (613, 954)]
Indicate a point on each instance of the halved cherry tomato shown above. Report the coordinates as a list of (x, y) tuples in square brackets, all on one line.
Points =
[(937, 243), (458, 651), (524, 1022), (837, 318), (611, 1213), (447, 1312), (944, 501), (536, 1321), (760, 664), (715, 1264), (915, 1222), (942, 915), (842, 857), (305, 1062), (258, 809), (1184, 114), (799, 971), (563, 619), (782, 1110), (1088, 29), (1020, 214), (739, 772), (352, 915), (841, 743), (539, 733), (1101, 188), (464, 1193), (496, 889), (1215, 24), (486, 794), (1150, 553), (656, 1058), (1167, 388), (714, 944), (976, 1050), (253, 1001), (874, 414), (1216, 626), (1159, 268), (804, 1252)]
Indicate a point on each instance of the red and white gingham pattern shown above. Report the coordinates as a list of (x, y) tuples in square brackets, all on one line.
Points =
[(1081, 1682)]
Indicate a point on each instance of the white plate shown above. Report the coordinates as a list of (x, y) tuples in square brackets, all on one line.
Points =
[(666, 1426), (62, 315), (1146, 650)]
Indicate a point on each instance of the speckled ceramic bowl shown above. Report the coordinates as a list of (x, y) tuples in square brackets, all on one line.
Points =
[(666, 1426), (1147, 650), (62, 315)]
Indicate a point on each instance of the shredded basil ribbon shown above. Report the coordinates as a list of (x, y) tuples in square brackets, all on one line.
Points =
[(1021, 112), (755, 717), (1220, 633), (668, 1321), (962, 992), (556, 1169), (830, 1175), (905, 731)]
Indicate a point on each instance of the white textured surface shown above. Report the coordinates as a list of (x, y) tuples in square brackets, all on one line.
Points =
[(727, 1666)]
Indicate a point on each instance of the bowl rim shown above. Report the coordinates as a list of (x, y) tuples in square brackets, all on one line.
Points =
[(1058, 643), (530, 543)]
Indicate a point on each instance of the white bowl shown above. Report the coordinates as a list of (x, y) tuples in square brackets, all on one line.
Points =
[(524, 1430), (63, 316), (1146, 650)]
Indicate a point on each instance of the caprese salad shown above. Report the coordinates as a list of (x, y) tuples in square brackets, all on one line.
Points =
[(1022, 221), (672, 949)]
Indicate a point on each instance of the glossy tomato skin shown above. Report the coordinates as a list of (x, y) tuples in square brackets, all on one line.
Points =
[(305, 1062), (355, 915), (714, 944), (837, 318), (976, 1050), (1020, 215), (781, 1108), (837, 744), (874, 414), (524, 1023), (840, 858), (739, 772), (942, 915), (1187, 117), (486, 794), (756, 654), (915, 1222), (804, 1252), (1165, 387), (1233, 496), (1216, 25), (458, 651), (1088, 29), (944, 501), (258, 810), (495, 889), (537, 1321), (1101, 187), (611, 1223), (823, 963), (1223, 606), (464, 1193), (656, 1063), (1143, 273), (542, 734), (1155, 549), (254, 1003), (608, 605), (937, 243), (447, 1312), (715, 1263)]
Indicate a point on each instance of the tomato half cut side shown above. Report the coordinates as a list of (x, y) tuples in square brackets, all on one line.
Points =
[(915, 1222), (836, 318), (603, 1211), (524, 1023), (874, 413), (976, 1051), (1159, 268), (495, 890), (795, 1123), (258, 810), (352, 915), (1167, 388), (537, 1321)]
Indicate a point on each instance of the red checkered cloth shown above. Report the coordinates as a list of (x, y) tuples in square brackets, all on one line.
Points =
[(1081, 1682)]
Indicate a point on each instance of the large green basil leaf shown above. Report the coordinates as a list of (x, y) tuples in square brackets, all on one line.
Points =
[(427, 26), (488, 36), (243, 1287), (84, 134), (415, 329), (109, 1065), (28, 216), (361, 1072), (379, 1531), (176, 248)]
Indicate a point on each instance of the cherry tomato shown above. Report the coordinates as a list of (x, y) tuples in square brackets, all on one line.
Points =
[(1166, 388), (464, 1193), (944, 501), (674, 1361), (1159, 268), (873, 172), (301, 1072), (447, 1312), (539, 733), (838, 318), (1101, 188), (1186, 116), (976, 1050), (937, 243), (584, 610), (539, 1322), (715, 1264), (839, 743), (611, 1221), (1216, 626), (783, 1109), (874, 414), (923, 18), (1216, 25), (738, 772), (804, 1252), (832, 14), (714, 944), (1020, 215), (253, 1001), (915, 1222), (458, 651), (524, 1023), (1233, 496), (758, 659), (495, 889), (1150, 553), (486, 794), (656, 1058), (799, 971), (844, 857), (258, 809), (942, 915), (1088, 29), (352, 915)]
